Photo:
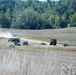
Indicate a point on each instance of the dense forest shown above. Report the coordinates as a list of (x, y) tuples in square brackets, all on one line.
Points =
[(35, 14)]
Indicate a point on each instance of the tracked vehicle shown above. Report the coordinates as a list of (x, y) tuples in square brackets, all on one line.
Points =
[(53, 42), (15, 40)]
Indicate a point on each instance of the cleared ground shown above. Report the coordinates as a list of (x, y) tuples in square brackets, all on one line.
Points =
[(38, 59)]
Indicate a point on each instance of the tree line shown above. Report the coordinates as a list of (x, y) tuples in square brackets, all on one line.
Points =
[(35, 14)]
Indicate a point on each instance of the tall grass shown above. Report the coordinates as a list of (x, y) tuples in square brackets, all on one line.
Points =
[(46, 62), (39, 60)]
